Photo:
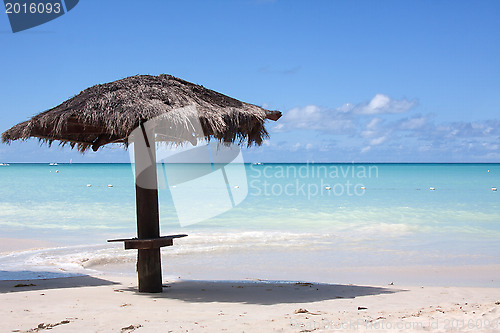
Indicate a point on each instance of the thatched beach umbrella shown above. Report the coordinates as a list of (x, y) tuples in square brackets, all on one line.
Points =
[(110, 112)]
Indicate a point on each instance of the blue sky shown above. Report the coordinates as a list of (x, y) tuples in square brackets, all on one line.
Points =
[(376, 81)]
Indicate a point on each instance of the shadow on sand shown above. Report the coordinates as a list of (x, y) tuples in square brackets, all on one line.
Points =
[(262, 292), (63, 281)]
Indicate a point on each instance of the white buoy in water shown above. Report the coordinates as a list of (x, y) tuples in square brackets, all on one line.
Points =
[(328, 188), (493, 188), (363, 188), (236, 186), (109, 185), (432, 188), (89, 185)]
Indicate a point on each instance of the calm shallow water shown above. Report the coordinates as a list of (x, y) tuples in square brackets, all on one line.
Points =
[(310, 216)]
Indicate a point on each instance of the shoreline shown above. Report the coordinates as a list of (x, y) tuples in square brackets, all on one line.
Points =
[(20, 262)]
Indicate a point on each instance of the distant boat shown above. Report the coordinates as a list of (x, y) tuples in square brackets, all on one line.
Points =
[(53, 164), (4, 164)]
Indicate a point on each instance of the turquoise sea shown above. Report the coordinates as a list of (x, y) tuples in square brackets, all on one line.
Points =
[(283, 221)]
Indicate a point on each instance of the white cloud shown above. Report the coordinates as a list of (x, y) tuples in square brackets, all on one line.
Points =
[(278, 127), (312, 117), (372, 128), (425, 148), (373, 123), (378, 102), (346, 108), (413, 123), (380, 127), (368, 134), (378, 141), (344, 119), (382, 104)]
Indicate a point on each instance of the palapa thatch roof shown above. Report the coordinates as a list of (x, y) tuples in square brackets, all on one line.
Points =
[(109, 112)]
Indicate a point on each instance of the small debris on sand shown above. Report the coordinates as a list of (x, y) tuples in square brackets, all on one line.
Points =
[(306, 311), (130, 328), (24, 285), (43, 326), (362, 308)]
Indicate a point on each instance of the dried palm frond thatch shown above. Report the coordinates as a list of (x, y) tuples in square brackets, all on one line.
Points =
[(108, 113)]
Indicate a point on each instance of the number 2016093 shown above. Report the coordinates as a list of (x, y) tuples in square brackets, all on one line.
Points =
[(32, 8)]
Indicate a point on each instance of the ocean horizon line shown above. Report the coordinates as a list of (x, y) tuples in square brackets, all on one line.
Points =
[(315, 163)]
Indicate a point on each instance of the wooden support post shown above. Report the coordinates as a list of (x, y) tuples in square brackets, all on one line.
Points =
[(148, 224)]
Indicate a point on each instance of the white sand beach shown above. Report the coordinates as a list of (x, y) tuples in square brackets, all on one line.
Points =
[(112, 304)]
